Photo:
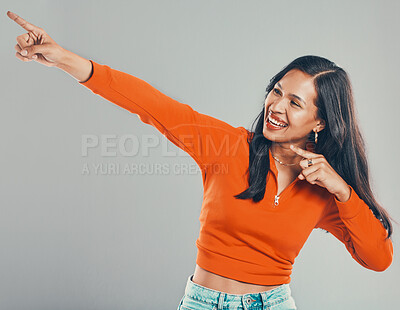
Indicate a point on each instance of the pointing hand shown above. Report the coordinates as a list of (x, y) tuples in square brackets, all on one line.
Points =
[(39, 46), (320, 172)]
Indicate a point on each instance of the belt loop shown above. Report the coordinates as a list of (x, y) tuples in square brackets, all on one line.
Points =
[(221, 300), (264, 300)]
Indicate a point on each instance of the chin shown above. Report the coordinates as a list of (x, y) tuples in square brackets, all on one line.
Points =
[(276, 137)]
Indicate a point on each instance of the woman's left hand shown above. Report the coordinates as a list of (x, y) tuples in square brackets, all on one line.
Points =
[(322, 174)]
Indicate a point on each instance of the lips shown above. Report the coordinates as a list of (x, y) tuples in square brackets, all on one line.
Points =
[(276, 118)]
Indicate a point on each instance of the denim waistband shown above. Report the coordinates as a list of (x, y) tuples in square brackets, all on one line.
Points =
[(221, 299)]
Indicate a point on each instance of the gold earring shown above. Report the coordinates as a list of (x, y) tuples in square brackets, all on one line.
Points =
[(316, 136)]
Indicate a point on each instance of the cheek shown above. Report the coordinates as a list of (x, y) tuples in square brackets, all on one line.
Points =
[(266, 105), (301, 120)]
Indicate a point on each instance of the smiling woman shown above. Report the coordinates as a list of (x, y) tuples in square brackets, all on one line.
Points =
[(256, 215), (313, 97)]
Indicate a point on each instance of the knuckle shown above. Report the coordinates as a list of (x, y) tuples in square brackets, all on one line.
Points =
[(21, 43)]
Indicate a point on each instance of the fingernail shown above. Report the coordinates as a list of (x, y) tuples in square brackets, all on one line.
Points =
[(24, 52)]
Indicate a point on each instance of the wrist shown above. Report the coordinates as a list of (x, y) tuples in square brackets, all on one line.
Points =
[(65, 59), (78, 67), (344, 195)]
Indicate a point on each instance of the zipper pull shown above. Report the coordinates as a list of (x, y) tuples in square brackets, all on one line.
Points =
[(276, 200)]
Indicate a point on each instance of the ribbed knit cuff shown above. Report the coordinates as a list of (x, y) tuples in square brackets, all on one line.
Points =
[(99, 76)]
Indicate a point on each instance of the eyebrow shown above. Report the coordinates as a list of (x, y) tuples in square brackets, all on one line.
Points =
[(279, 84)]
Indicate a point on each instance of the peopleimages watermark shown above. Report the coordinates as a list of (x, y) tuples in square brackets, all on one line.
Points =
[(211, 149), (113, 146), (219, 143)]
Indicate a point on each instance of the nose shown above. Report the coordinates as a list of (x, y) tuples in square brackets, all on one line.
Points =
[(278, 105)]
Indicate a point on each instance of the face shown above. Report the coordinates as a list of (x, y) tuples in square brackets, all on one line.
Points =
[(292, 100)]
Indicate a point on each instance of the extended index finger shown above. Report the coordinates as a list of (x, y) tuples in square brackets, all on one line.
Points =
[(304, 153), (22, 22)]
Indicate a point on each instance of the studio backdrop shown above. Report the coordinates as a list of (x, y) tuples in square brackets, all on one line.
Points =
[(101, 211)]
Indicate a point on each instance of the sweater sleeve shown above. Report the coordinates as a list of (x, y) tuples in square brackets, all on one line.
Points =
[(203, 137), (355, 225)]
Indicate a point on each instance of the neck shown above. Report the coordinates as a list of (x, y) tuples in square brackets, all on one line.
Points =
[(283, 152)]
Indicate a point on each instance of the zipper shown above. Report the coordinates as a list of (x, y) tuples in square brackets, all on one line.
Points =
[(276, 200)]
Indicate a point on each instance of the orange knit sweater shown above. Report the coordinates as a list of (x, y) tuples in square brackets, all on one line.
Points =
[(239, 239)]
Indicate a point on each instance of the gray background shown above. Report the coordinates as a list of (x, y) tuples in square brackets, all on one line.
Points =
[(104, 241)]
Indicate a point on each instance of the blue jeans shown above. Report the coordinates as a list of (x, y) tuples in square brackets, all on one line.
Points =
[(198, 297)]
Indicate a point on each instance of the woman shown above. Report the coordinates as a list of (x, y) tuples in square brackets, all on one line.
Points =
[(302, 166)]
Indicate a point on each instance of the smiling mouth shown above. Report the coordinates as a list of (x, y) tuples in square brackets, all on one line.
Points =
[(275, 124)]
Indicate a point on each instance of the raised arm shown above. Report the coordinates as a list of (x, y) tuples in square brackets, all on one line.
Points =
[(205, 138)]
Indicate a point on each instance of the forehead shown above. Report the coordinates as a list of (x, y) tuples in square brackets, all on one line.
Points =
[(299, 83)]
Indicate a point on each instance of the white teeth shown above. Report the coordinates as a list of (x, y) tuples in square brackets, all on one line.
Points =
[(275, 122)]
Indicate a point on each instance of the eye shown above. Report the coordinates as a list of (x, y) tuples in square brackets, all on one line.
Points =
[(295, 103), (277, 91)]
